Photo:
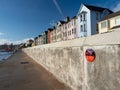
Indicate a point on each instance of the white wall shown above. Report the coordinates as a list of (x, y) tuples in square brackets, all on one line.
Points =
[(87, 22), (66, 60)]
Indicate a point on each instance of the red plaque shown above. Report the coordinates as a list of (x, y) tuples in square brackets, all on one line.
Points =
[(90, 55)]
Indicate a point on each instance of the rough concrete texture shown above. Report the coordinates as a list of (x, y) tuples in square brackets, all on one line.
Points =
[(68, 63), (65, 63), (104, 72)]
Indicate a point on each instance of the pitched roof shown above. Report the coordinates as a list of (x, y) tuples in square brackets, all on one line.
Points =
[(35, 38), (39, 35), (50, 29), (74, 17), (62, 22), (111, 15), (96, 8)]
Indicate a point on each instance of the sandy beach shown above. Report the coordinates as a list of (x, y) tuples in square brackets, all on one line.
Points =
[(20, 72)]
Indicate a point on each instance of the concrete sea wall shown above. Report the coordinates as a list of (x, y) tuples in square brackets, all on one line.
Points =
[(66, 60)]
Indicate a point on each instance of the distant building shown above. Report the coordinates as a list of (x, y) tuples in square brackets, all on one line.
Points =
[(44, 37), (88, 16), (109, 22), (65, 30), (59, 28), (82, 25), (53, 35), (69, 29), (40, 40), (36, 41), (29, 43), (49, 35), (65, 27)]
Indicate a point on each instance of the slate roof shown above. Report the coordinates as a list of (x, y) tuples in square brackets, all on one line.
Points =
[(111, 15), (73, 17), (96, 8), (35, 38), (39, 35), (50, 29), (62, 22)]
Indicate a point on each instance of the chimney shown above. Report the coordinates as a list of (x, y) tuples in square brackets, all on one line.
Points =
[(67, 19), (53, 27)]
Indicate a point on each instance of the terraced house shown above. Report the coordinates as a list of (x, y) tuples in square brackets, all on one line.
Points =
[(40, 39), (49, 35), (88, 17), (44, 37), (72, 29), (36, 41), (82, 25), (59, 27)]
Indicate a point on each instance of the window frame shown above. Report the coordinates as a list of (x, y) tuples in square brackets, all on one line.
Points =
[(104, 24)]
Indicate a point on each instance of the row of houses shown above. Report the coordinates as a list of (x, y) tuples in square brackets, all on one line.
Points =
[(89, 20)]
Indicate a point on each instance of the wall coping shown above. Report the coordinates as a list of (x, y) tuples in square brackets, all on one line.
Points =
[(112, 37)]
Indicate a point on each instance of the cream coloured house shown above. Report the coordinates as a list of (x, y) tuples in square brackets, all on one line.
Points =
[(109, 22)]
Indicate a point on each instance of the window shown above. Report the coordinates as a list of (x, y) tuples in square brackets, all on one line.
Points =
[(81, 17), (81, 28), (74, 22), (65, 33), (74, 30), (65, 26), (117, 21), (84, 16), (70, 32), (104, 24), (84, 27)]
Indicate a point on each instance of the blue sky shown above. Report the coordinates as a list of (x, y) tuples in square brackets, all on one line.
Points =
[(24, 19)]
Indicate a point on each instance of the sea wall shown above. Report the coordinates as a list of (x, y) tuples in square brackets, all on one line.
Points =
[(67, 62)]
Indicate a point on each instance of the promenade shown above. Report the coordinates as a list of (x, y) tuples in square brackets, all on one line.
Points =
[(20, 72)]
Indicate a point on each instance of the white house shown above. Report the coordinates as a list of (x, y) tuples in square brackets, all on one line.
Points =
[(88, 16)]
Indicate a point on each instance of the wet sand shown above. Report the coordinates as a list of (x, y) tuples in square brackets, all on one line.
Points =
[(20, 72)]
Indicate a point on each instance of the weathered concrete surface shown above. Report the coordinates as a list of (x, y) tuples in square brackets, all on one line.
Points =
[(65, 63), (21, 73), (104, 72), (66, 60)]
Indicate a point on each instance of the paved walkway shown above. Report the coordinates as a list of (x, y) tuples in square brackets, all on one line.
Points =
[(20, 72)]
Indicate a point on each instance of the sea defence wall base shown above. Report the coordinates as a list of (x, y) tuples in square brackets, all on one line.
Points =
[(66, 60)]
